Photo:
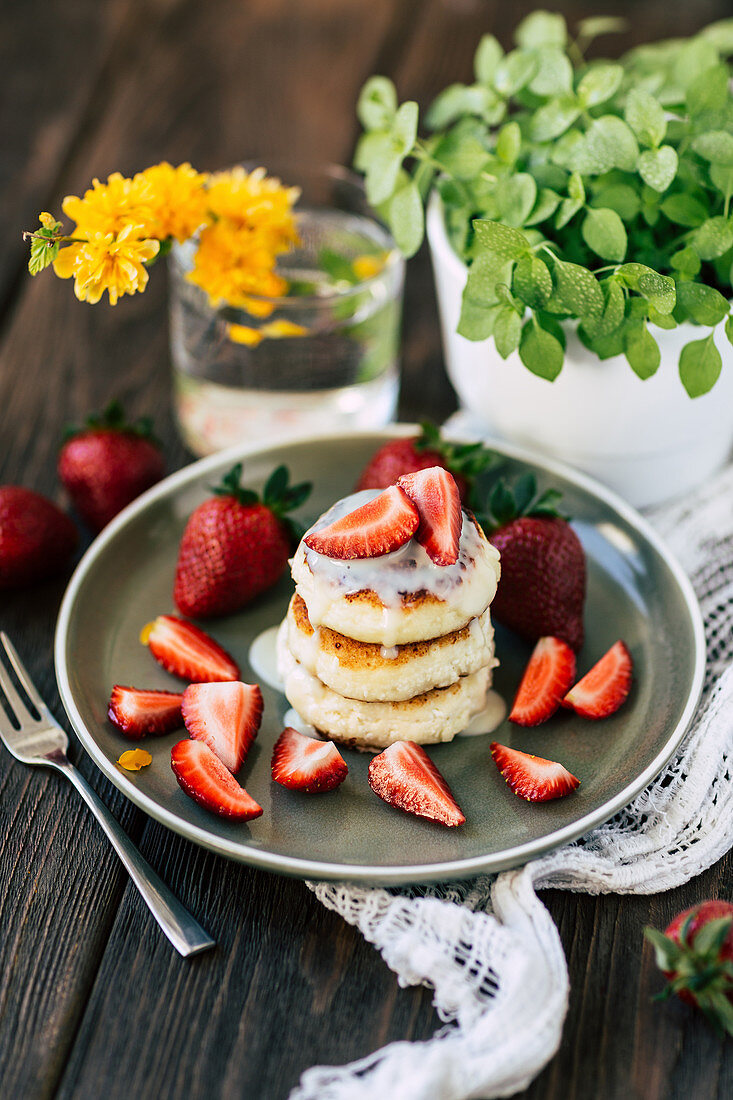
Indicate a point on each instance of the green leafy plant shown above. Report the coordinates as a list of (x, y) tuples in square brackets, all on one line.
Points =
[(591, 192)]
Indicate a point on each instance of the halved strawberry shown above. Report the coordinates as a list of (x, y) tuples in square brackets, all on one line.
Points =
[(435, 495), (202, 775), (532, 777), (546, 679), (602, 690), (136, 711), (378, 527), (304, 764), (226, 716), (187, 651), (406, 777)]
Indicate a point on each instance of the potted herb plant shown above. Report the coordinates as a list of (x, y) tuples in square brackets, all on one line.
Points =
[(579, 218)]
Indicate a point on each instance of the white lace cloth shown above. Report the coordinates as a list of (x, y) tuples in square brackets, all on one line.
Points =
[(488, 947)]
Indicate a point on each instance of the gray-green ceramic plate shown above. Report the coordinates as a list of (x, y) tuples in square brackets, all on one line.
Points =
[(636, 591)]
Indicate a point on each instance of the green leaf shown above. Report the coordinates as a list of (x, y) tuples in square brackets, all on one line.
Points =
[(515, 197), (514, 71), (703, 304), (714, 238), (459, 100), (729, 329), (377, 157), (406, 218), (700, 366), (404, 127), (687, 262), (720, 35), (722, 176), (658, 289), (460, 155), (658, 167), (596, 25), (715, 146), (553, 119), (642, 350), (507, 331), (541, 28), (377, 103), (540, 351), (578, 290), (508, 143), (545, 206), (645, 116), (554, 74), (476, 321), (683, 209), (709, 91), (620, 197), (532, 282), (43, 253), (662, 320), (608, 143), (486, 59), (601, 326), (486, 271), (570, 206), (506, 242), (599, 84), (604, 233)]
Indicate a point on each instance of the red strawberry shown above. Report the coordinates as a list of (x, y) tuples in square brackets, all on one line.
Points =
[(186, 651), (546, 679), (602, 690), (377, 527), (202, 775), (137, 711), (696, 955), (37, 539), (236, 546), (108, 463), (226, 716), (435, 495), (532, 777), (407, 456), (405, 776), (304, 764)]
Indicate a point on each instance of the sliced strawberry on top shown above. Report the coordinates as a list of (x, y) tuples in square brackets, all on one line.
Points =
[(602, 690), (202, 775), (136, 711), (533, 777), (187, 651), (226, 716), (304, 764), (435, 495), (406, 777), (377, 527), (546, 679)]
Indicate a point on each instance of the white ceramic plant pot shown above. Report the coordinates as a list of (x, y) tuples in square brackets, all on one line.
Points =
[(646, 439)]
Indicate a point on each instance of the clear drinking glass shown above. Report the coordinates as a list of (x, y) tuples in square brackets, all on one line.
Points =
[(325, 357)]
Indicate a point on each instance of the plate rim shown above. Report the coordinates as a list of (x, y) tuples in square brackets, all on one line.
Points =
[(392, 875)]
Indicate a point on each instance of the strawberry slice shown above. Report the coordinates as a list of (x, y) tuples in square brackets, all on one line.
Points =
[(202, 775), (435, 495), (304, 764), (136, 711), (602, 690), (532, 777), (225, 716), (187, 651), (378, 527), (405, 776), (546, 679)]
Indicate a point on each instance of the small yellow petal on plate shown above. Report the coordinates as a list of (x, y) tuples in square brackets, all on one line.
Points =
[(243, 334), (135, 759), (146, 631)]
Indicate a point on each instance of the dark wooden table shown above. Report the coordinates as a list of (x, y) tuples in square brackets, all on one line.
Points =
[(93, 1001)]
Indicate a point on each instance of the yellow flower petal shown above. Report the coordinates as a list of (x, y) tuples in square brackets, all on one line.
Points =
[(243, 334), (65, 261), (47, 220), (366, 267), (135, 759), (278, 330)]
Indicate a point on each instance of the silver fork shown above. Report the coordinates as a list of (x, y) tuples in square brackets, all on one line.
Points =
[(42, 741)]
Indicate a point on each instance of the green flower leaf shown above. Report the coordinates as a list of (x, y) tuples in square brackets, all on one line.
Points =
[(658, 167), (553, 119), (485, 273), (607, 144), (729, 329), (43, 253), (487, 58), (659, 290), (377, 156), (515, 197), (460, 100), (532, 282), (514, 71), (541, 351), (404, 127), (714, 238), (700, 366), (554, 74), (702, 304), (377, 104), (507, 331), (715, 146), (541, 28), (601, 326), (578, 290), (620, 197), (508, 243), (604, 233), (545, 206), (508, 143), (406, 218), (570, 206), (687, 262), (722, 177), (645, 116), (709, 91), (596, 25), (684, 209), (641, 350), (599, 84), (461, 155), (476, 321)]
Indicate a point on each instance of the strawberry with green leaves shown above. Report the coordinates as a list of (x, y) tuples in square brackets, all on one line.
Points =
[(236, 545), (543, 575)]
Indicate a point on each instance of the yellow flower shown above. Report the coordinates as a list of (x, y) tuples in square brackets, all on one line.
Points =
[(234, 262), (274, 330), (243, 334), (107, 263), (367, 266), (177, 200), (255, 201), (109, 207), (47, 220)]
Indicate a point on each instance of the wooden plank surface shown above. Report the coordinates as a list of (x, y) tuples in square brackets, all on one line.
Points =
[(92, 1000)]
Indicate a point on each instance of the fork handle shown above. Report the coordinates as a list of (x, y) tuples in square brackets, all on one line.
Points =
[(185, 933)]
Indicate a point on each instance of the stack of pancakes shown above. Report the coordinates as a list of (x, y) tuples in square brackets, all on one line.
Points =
[(390, 648)]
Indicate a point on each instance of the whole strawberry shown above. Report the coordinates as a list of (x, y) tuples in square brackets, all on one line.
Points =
[(696, 954), (542, 587), (108, 463), (406, 456), (236, 546), (37, 539)]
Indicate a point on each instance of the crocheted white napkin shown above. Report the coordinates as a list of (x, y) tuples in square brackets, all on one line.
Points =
[(488, 947)]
